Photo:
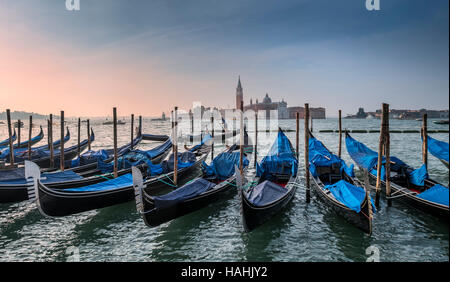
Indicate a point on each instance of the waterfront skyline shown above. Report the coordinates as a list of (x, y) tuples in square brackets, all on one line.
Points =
[(145, 57)]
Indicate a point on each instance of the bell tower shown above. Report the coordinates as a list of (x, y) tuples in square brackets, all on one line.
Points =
[(239, 94)]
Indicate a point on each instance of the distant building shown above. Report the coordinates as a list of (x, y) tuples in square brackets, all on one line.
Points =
[(360, 114), (267, 105), (239, 94)]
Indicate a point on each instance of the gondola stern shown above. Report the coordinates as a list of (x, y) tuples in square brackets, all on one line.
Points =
[(32, 174), (138, 186)]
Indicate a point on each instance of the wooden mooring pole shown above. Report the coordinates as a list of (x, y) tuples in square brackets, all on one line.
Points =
[(212, 134), (175, 147), (241, 143), (132, 133), (140, 125), (52, 155), (308, 197), (425, 140), (115, 140), (11, 146), (18, 133), (340, 134), (381, 150), (61, 148), (256, 138), (297, 134), (29, 137), (191, 117), (88, 134), (78, 137), (387, 150)]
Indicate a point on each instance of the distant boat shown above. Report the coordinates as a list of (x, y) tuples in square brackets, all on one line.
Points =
[(111, 122), (443, 121), (419, 119), (16, 124)]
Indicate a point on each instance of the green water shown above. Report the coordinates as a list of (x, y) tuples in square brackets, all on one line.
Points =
[(303, 232)]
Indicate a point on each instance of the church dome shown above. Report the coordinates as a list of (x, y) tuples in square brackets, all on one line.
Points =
[(267, 99)]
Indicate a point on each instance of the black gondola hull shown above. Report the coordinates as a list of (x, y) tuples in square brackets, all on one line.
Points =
[(362, 220), (19, 193), (253, 216), (154, 217), (439, 211), (56, 202)]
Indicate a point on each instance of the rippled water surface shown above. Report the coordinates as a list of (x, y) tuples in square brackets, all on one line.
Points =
[(303, 232)]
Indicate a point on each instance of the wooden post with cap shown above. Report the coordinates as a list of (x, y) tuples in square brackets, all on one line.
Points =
[(308, 197), (29, 137), (11, 146), (115, 140), (61, 148)]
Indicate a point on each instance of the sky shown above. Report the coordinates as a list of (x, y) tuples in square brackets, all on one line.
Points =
[(145, 57)]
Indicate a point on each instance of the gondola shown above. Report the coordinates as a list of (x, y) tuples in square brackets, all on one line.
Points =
[(13, 185), (154, 137), (5, 143), (217, 180), (439, 149), (335, 184), (42, 155), (32, 141), (443, 121), (412, 186), (276, 182), (80, 198), (21, 154), (220, 136)]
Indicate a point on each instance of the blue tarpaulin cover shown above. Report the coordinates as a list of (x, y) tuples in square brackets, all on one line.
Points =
[(265, 193), (279, 160), (5, 143), (90, 157), (418, 176), (137, 157), (222, 166), (319, 156), (367, 158), (47, 177), (437, 148), (348, 194), (122, 181), (21, 154), (103, 155), (205, 139), (437, 194), (186, 192)]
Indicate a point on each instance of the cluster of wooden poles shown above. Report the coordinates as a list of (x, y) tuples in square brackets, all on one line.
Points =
[(383, 146), (383, 150), (50, 138)]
